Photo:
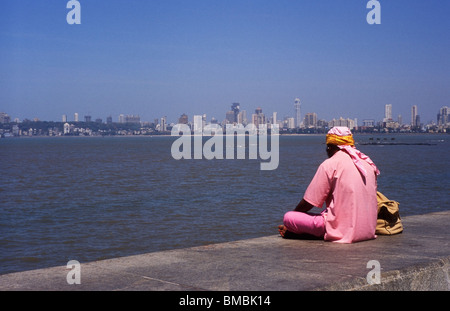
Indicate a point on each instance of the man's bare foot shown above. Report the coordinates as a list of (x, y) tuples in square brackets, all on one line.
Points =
[(282, 230)]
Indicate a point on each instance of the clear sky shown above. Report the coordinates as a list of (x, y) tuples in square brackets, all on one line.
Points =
[(165, 58)]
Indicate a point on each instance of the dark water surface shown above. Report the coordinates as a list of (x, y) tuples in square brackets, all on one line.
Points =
[(94, 198)]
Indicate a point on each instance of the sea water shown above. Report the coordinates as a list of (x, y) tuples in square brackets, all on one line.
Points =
[(92, 198)]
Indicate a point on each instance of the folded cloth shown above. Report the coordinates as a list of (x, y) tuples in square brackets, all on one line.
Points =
[(342, 137)]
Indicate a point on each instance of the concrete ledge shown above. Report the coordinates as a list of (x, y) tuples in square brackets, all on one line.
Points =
[(432, 276), (418, 259)]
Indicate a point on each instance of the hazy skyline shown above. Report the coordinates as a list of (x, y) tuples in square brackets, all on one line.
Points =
[(166, 58)]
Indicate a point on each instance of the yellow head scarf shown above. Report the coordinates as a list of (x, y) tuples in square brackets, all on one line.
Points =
[(334, 139), (343, 138)]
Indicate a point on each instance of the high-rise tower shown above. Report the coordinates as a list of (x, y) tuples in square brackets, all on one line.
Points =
[(442, 117), (388, 112), (235, 108), (414, 116), (298, 119)]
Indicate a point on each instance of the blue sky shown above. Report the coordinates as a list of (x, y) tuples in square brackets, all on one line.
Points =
[(165, 58)]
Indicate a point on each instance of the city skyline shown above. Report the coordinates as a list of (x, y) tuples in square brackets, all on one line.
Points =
[(295, 114), (238, 116), (298, 118), (156, 59)]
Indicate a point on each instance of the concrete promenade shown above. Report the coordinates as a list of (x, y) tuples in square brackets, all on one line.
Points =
[(417, 259)]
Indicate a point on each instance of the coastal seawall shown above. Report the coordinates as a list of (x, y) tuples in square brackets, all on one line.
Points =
[(418, 259)]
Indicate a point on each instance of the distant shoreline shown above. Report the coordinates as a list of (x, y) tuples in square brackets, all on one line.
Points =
[(280, 134)]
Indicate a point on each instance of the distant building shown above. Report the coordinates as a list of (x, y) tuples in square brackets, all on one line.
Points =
[(442, 117), (129, 119), (310, 120), (258, 117), (274, 118), (391, 124), (368, 123), (290, 123), (4, 118), (76, 117), (64, 118), (229, 117), (198, 124), (87, 119), (387, 113), (109, 120), (322, 123), (242, 117), (15, 130), (121, 118), (203, 120), (235, 107), (414, 116), (232, 116), (132, 119), (183, 119), (417, 121), (350, 123), (68, 128), (163, 124), (297, 106)]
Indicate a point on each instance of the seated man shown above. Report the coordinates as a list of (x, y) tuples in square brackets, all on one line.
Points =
[(347, 183)]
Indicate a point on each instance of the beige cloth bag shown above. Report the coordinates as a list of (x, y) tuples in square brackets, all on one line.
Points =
[(389, 221)]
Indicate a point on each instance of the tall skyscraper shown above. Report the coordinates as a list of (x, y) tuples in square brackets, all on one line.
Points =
[(414, 115), (198, 124), (242, 117), (64, 118), (229, 117), (297, 105), (442, 117), (76, 117), (258, 117), (163, 124), (235, 108), (388, 112)]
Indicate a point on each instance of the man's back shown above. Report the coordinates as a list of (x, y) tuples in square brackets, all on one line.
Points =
[(350, 198)]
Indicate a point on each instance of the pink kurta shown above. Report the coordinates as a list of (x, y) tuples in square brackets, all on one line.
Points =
[(351, 199)]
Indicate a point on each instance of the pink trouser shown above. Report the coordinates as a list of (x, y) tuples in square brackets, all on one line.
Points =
[(298, 223)]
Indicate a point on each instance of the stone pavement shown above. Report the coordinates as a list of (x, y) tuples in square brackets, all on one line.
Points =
[(417, 259)]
